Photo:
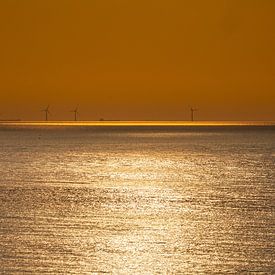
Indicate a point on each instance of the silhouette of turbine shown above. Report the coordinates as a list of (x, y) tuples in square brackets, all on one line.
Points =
[(75, 111), (192, 113), (47, 112)]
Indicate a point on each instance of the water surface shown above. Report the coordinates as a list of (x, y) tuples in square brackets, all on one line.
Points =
[(130, 200)]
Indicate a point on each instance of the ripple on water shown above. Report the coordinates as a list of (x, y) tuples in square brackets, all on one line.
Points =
[(136, 202)]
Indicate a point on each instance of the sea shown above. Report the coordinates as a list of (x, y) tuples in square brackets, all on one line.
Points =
[(137, 199)]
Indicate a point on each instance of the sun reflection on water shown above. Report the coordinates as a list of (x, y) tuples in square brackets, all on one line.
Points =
[(133, 202)]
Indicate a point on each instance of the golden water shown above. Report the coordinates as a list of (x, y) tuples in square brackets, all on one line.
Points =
[(84, 200)]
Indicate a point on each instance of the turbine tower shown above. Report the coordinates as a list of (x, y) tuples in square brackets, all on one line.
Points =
[(75, 111), (47, 112), (192, 113)]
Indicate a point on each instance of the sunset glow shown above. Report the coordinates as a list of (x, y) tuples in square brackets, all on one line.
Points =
[(137, 136), (137, 123), (138, 60)]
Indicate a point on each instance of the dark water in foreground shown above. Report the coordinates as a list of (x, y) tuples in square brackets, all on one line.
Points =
[(133, 200)]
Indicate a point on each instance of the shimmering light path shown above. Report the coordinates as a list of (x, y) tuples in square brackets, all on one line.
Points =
[(133, 200)]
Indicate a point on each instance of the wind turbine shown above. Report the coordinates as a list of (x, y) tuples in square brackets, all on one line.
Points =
[(192, 113), (47, 112), (75, 111)]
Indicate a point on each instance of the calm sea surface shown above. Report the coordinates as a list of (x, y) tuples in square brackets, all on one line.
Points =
[(137, 200)]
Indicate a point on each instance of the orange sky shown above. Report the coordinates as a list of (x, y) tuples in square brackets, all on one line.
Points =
[(138, 59)]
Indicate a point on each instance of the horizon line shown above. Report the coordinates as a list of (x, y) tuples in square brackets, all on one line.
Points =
[(136, 123)]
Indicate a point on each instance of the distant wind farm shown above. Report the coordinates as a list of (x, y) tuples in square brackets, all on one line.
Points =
[(49, 116)]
